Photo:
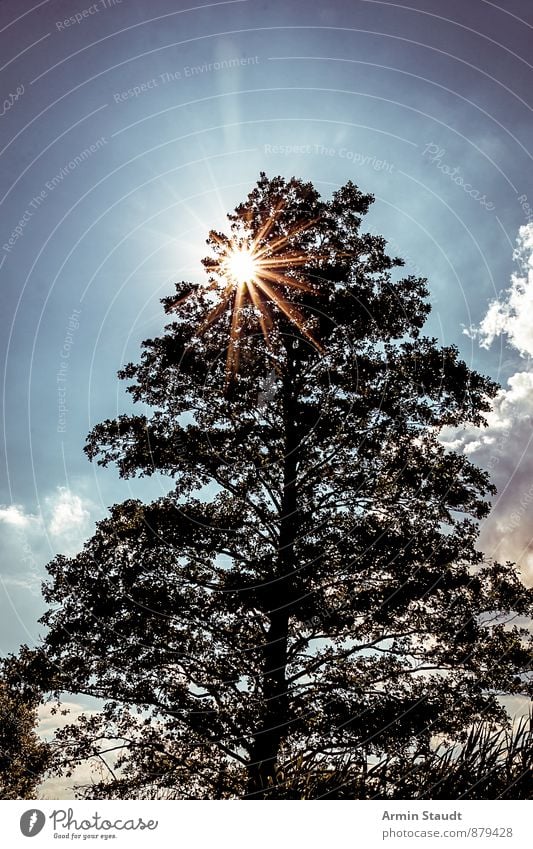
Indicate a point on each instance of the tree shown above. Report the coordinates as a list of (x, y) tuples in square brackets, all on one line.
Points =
[(23, 756), (309, 592)]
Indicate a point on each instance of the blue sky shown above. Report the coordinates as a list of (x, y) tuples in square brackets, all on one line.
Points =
[(129, 128)]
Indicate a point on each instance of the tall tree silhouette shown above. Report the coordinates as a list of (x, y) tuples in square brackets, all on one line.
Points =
[(310, 590)]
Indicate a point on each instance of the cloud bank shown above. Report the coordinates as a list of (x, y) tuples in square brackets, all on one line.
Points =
[(511, 314), (503, 448)]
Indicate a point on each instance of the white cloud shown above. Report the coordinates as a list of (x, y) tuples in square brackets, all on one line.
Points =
[(27, 542), (64, 515), (13, 515), (69, 514), (511, 314)]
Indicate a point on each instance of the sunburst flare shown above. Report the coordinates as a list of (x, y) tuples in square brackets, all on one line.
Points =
[(256, 271)]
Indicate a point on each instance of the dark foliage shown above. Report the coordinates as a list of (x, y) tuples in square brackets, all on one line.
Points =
[(23, 756)]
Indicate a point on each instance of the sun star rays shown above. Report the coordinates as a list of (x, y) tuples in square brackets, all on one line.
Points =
[(254, 272)]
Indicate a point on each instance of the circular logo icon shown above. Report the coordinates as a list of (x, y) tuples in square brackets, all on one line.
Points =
[(32, 822)]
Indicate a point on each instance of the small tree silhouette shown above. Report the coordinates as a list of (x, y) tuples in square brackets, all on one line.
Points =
[(23, 756)]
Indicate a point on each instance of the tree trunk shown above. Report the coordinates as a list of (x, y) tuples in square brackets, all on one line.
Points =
[(262, 769), (267, 739)]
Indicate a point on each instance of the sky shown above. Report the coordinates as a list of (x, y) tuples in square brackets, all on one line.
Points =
[(129, 128)]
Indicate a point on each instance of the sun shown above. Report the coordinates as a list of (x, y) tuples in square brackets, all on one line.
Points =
[(241, 265), (258, 273)]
